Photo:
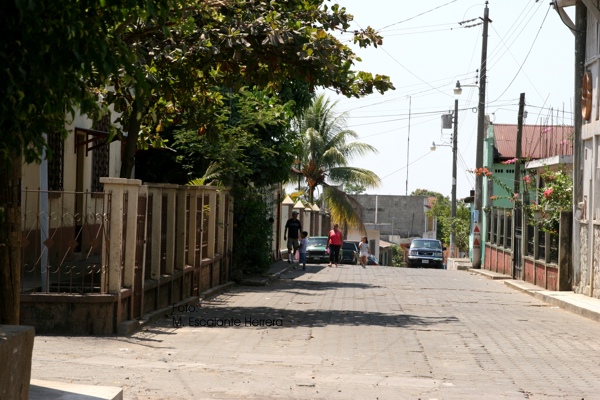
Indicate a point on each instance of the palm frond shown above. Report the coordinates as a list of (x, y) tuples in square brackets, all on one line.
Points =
[(344, 209), (211, 176)]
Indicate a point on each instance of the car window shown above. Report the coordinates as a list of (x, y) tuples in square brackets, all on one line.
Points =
[(319, 241), (349, 246), (432, 244)]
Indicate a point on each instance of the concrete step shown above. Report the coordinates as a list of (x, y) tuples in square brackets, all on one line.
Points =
[(48, 390)]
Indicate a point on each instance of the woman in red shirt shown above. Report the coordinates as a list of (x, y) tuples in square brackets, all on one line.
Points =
[(334, 243)]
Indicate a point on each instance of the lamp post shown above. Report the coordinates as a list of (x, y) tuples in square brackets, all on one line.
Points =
[(453, 206), (454, 146), (476, 218)]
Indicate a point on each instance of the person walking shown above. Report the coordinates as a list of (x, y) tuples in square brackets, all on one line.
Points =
[(363, 251), (302, 249), (291, 233), (334, 244)]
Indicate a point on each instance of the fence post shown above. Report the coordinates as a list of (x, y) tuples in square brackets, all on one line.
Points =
[(171, 191), (117, 188), (181, 226), (155, 255), (212, 224), (193, 218)]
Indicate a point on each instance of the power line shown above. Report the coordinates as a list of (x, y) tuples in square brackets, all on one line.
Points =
[(418, 15), (526, 57)]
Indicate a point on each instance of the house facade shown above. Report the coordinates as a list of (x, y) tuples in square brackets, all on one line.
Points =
[(101, 253), (586, 158), (513, 244)]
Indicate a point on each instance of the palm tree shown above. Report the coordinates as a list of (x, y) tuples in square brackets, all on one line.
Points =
[(327, 147)]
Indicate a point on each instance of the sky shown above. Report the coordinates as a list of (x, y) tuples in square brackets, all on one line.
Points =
[(425, 51)]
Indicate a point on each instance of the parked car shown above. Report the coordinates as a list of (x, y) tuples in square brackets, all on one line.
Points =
[(316, 250), (372, 260), (349, 253), (426, 253)]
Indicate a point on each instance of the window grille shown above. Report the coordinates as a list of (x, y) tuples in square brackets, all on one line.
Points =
[(100, 155), (55, 163)]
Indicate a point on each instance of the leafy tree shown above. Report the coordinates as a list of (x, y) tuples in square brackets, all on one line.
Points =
[(254, 145), (47, 53), (441, 210), (212, 47), (324, 157), (355, 188)]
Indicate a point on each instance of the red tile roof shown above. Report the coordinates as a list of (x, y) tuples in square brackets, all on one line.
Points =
[(539, 141)]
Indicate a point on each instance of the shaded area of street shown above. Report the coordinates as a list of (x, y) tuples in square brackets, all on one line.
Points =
[(348, 332)]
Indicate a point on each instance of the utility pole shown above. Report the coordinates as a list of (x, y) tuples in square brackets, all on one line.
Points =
[(517, 224), (453, 206), (408, 144), (517, 182), (477, 213)]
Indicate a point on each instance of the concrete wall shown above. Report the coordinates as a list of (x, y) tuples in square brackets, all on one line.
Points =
[(404, 214), (16, 347)]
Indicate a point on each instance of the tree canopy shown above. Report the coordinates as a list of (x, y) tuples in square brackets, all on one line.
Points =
[(210, 51)]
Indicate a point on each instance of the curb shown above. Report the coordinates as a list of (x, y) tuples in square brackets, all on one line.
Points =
[(554, 298), (579, 304), (489, 274)]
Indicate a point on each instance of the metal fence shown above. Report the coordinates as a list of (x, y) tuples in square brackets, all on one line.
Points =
[(64, 242)]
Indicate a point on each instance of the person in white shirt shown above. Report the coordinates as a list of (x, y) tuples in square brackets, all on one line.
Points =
[(302, 249), (363, 251)]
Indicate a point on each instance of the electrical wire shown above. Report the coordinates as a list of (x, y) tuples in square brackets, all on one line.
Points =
[(526, 57), (418, 15)]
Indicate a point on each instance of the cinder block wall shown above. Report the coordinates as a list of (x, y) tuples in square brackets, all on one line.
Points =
[(408, 213)]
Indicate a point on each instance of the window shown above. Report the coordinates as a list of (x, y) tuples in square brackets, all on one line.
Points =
[(56, 161), (100, 155)]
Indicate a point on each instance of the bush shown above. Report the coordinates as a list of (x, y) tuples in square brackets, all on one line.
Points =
[(397, 256), (252, 232)]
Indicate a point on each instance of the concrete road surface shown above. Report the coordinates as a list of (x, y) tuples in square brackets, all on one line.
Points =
[(346, 333)]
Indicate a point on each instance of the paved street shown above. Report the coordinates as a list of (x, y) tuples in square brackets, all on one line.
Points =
[(346, 333)]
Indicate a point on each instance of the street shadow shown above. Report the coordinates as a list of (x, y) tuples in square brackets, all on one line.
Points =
[(277, 318)]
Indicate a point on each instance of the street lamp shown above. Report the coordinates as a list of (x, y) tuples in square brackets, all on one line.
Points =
[(478, 164), (457, 91)]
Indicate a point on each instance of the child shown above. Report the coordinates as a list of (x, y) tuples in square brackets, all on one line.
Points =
[(363, 249), (302, 249)]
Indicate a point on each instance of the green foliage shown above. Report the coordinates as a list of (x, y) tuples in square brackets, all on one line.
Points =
[(47, 53), (427, 193), (354, 188), (554, 197), (252, 232), (248, 140), (397, 256), (188, 63), (442, 210)]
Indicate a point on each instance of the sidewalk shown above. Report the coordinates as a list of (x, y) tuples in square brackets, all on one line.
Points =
[(579, 304), (278, 268)]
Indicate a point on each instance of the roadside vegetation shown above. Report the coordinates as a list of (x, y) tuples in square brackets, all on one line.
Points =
[(215, 82)]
